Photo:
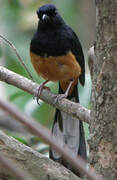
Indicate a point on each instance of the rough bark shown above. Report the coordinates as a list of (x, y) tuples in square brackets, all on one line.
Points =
[(36, 165), (103, 126)]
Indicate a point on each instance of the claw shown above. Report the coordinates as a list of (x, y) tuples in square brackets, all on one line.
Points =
[(41, 87), (62, 96), (59, 97)]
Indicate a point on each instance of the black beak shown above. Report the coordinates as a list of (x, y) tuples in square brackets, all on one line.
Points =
[(45, 18)]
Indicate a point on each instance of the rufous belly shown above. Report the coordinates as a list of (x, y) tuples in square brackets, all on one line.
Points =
[(61, 68)]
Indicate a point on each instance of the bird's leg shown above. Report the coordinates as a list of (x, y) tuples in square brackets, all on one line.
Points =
[(61, 96), (41, 87), (68, 88)]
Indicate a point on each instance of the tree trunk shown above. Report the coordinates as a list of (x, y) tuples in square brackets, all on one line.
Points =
[(103, 127)]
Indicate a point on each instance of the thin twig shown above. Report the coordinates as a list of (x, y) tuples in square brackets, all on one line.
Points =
[(41, 131), (14, 169), (91, 59), (17, 54), (71, 108)]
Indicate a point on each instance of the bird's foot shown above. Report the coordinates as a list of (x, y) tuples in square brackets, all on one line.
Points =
[(40, 88), (59, 97), (65, 95)]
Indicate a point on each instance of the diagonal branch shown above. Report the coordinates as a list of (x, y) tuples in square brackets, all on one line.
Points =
[(41, 131), (27, 85), (14, 169), (32, 162)]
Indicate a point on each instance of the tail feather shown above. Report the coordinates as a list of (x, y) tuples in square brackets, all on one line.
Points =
[(68, 130)]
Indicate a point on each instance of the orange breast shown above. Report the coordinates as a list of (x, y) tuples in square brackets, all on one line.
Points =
[(61, 68)]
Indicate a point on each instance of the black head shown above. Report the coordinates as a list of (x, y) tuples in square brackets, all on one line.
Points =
[(48, 15)]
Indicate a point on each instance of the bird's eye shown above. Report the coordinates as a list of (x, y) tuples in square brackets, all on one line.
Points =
[(51, 13)]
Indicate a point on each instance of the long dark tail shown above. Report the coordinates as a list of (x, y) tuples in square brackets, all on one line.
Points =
[(69, 130)]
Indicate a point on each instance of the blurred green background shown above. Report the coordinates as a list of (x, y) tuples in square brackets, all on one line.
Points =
[(18, 22)]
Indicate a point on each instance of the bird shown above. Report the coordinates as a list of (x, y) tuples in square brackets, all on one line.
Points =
[(56, 55)]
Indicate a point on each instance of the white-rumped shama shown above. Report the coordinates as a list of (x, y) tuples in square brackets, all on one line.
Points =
[(57, 55)]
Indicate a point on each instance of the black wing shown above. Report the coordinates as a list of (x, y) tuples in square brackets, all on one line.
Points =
[(78, 52)]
